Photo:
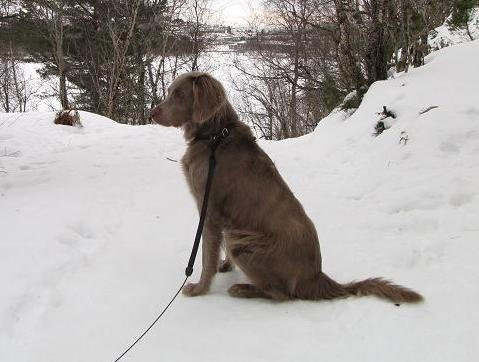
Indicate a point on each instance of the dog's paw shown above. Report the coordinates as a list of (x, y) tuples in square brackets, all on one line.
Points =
[(245, 291), (225, 266), (194, 289), (236, 291)]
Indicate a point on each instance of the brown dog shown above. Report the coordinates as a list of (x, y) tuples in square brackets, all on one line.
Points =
[(265, 229)]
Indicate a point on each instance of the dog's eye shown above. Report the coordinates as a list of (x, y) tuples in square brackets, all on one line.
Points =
[(178, 94)]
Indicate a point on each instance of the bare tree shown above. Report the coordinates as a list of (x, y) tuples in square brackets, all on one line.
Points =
[(49, 18), (8, 9), (183, 42), (198, 14), (314, 52), (280, 102), (121, 42), (163, 65), (15, 90)]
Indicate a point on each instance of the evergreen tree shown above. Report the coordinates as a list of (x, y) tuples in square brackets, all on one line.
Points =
[(461, 14)]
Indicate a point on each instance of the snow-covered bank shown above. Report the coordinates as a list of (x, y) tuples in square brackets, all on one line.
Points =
[(97, 224), (444, 36)]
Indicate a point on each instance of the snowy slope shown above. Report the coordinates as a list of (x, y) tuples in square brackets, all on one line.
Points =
[(444, 36), (96, 228)]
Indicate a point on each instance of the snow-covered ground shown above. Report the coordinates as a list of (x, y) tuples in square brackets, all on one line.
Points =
[(96, 226)]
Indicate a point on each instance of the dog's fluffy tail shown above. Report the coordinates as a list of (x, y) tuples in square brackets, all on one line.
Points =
[(330, 289), (383, 289)]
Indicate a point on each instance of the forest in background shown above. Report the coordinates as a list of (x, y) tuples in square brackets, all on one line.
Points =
[(116, 58)]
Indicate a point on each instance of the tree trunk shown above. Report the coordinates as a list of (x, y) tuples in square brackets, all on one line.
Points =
[(294, 88), (404, 61), (57, 42), (63, 90), (141, 90), (345, 45)]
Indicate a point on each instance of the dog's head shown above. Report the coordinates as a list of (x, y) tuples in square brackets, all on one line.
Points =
[(192, 97)]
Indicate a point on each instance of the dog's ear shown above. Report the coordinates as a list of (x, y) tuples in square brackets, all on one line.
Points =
[(208, 97)]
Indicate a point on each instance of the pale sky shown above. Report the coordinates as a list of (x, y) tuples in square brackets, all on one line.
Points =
[(234, 12)]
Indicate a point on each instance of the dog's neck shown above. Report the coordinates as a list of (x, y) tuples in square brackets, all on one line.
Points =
[(226, 117)]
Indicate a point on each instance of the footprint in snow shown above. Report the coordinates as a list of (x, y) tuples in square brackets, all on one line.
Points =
[(78, 236), (82, 229), (4, 137), (27, 312), (460, 199), (473, 112), (448, 147), (43, 163), (472, 135)]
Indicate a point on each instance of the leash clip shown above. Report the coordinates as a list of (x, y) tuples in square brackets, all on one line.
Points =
[(217, 138), (225, 132)]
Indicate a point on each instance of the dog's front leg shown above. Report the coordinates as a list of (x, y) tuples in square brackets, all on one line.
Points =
[(211, 252)]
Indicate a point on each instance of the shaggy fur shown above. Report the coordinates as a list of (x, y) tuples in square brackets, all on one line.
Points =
[(264, 228), (68, 118)]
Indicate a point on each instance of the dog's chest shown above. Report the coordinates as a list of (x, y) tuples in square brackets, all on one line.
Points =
[(195, 168)]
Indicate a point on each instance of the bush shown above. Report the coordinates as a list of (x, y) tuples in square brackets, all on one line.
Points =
[(461, 12), (68, 118)]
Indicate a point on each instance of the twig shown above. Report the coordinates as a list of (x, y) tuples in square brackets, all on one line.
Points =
[(12, 154), (404, 139), (428, 109), (170, 159), (387, 113)]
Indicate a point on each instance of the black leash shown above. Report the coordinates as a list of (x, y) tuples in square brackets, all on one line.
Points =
[(154, 322), (213, 145)]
